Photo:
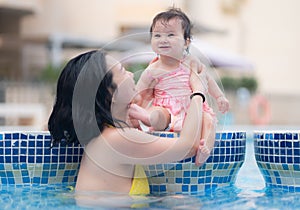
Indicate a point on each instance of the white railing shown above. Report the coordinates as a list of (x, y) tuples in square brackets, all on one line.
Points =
[(33, 113)]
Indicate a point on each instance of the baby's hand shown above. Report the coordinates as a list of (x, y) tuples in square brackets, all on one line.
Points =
[(223, 104)]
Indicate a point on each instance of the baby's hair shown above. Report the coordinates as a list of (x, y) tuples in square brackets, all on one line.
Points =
[(174, 13)]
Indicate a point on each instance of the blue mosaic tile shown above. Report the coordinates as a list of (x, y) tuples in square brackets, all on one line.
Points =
[(31, 150), (15, 136), (296, 136), (283, 145), (18, 150), (229, 153), (278, 157)]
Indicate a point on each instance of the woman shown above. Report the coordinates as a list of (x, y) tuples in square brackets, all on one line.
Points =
[(94, 95)]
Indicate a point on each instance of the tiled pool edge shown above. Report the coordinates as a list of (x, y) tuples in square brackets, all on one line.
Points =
[(220, 169), (26, 159), (277, 154)]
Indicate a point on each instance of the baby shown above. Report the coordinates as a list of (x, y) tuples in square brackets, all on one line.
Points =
[(166, 82)]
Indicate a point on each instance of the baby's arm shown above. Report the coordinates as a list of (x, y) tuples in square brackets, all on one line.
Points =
[(215, 91), (144, 87), (193, 59), (213, 88)]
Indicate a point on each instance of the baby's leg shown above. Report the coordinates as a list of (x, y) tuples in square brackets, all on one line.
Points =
[(158, 118), (208, 134)]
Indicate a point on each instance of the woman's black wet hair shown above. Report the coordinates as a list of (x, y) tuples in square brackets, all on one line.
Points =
[(71, 116), (174, 13)]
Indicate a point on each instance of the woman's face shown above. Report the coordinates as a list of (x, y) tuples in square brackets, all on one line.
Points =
[(125, 93)]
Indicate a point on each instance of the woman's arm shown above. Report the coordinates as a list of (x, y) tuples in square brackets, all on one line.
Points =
[(133, 146)]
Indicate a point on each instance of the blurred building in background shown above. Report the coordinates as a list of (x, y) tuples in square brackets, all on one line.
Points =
[(250, 45)]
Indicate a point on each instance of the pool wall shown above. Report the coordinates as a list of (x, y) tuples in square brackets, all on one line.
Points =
[(277, 154), (220, 169), (27, 159)]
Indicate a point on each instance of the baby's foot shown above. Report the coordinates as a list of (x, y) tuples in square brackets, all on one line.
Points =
[(202, 155)]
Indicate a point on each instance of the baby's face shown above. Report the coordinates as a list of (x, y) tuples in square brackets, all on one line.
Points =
[(168, 38)]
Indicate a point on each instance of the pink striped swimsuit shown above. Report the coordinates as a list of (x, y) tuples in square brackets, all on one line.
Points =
[(172, 92)]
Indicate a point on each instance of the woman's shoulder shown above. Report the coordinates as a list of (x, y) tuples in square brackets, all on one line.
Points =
[(124, 140), (120, 133)]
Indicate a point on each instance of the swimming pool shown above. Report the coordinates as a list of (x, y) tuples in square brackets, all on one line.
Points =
[(248, 192)]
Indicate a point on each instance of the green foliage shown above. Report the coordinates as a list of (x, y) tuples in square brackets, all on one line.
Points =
[(232, 84), (249, 82), (136, 69), (229, 83), (50, 73)]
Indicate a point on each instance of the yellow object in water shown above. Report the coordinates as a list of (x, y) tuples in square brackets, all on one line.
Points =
[(140, 185)]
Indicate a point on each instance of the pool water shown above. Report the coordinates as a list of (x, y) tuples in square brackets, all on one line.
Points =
[(249, 192)]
